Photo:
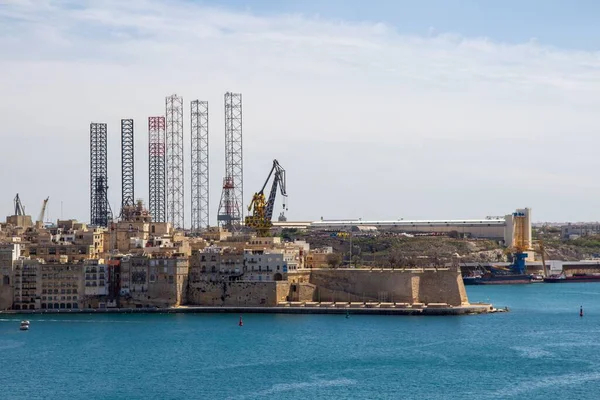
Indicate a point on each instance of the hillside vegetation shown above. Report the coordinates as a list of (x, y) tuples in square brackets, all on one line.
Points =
[(385, 249)]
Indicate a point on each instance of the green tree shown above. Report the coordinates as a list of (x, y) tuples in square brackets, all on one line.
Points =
[(392, 260), (334, 260)]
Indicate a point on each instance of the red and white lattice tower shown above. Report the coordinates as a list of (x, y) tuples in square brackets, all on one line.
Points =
[(231, 205)]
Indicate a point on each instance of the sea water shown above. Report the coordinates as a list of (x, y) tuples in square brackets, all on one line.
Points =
[(541, 349)]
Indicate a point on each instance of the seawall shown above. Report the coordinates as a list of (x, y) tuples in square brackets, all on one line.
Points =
[(241, 293), (410, 286), (380, 309), (404, 286)]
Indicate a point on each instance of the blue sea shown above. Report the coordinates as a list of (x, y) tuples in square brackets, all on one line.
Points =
[(542, 349)]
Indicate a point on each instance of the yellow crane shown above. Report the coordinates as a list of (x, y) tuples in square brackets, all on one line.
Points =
[(541, 250), (260, 209), (521, 244)]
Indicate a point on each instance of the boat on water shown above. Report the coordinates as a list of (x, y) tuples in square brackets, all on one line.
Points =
[(500, 279), (497, 275), (563, 278), (24, 326)]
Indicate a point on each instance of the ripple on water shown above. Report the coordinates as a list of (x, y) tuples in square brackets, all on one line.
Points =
[(8, 344), (532, 352), (298, 386), (548, 382)]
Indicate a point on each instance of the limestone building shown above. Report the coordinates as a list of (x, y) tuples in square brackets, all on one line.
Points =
[(264, 265), (153, 281), (9, 253), (26, 284), (61, 285)]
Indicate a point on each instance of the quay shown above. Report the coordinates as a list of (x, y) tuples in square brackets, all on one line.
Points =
[(289, 308)]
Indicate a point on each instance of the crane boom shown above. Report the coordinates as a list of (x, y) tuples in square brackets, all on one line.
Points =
[(43, 212), (19, 209), (262, 209), (278, 180)]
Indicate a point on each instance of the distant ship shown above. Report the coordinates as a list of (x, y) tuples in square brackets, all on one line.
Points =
[(500, 279), (501, 276), (563, 278)]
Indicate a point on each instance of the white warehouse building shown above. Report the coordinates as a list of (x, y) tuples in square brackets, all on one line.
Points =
[(497, 228)]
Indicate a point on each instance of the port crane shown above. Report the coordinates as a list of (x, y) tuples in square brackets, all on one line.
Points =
[(521, 243), (541, 250), (260, 209), (40, 220), (19, 209)]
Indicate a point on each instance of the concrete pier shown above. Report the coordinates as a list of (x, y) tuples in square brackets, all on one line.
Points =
[(288, 308)]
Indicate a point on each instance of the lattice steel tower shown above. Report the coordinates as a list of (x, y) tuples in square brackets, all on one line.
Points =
[(100, 213), (175, 186), (232, 197), (199, 175), (156, 168), (127, 194)]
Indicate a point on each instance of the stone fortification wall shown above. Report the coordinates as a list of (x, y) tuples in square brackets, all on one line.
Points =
[(157, 294), (338, 285), (441, 286), (363, 285), (207, 293), (303, 292), (400, 286)]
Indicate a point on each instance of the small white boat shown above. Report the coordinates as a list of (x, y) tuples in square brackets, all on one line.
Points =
[(24, 326)]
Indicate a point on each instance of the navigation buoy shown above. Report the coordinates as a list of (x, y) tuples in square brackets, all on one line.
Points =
[(581, 311), (241, 323)]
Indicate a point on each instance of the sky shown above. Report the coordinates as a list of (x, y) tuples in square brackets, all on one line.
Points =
[(377, 110)]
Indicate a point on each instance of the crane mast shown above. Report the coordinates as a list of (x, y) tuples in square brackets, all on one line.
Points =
[(261, 209), (40, 219), (19, 209), (521, 243)]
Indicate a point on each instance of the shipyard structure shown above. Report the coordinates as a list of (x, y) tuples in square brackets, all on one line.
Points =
[(146, 258), (139, 263), (500, 228)]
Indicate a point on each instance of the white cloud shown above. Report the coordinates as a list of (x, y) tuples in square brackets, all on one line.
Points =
[(367, 122)]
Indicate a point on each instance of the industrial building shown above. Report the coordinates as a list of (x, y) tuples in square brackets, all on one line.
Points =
[(496, 228), (573, 231)]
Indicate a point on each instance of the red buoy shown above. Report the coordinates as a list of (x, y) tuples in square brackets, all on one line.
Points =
[(241, 323)]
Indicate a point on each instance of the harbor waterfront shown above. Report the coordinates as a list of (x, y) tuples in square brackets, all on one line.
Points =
[(539, 350), (317, 308)]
